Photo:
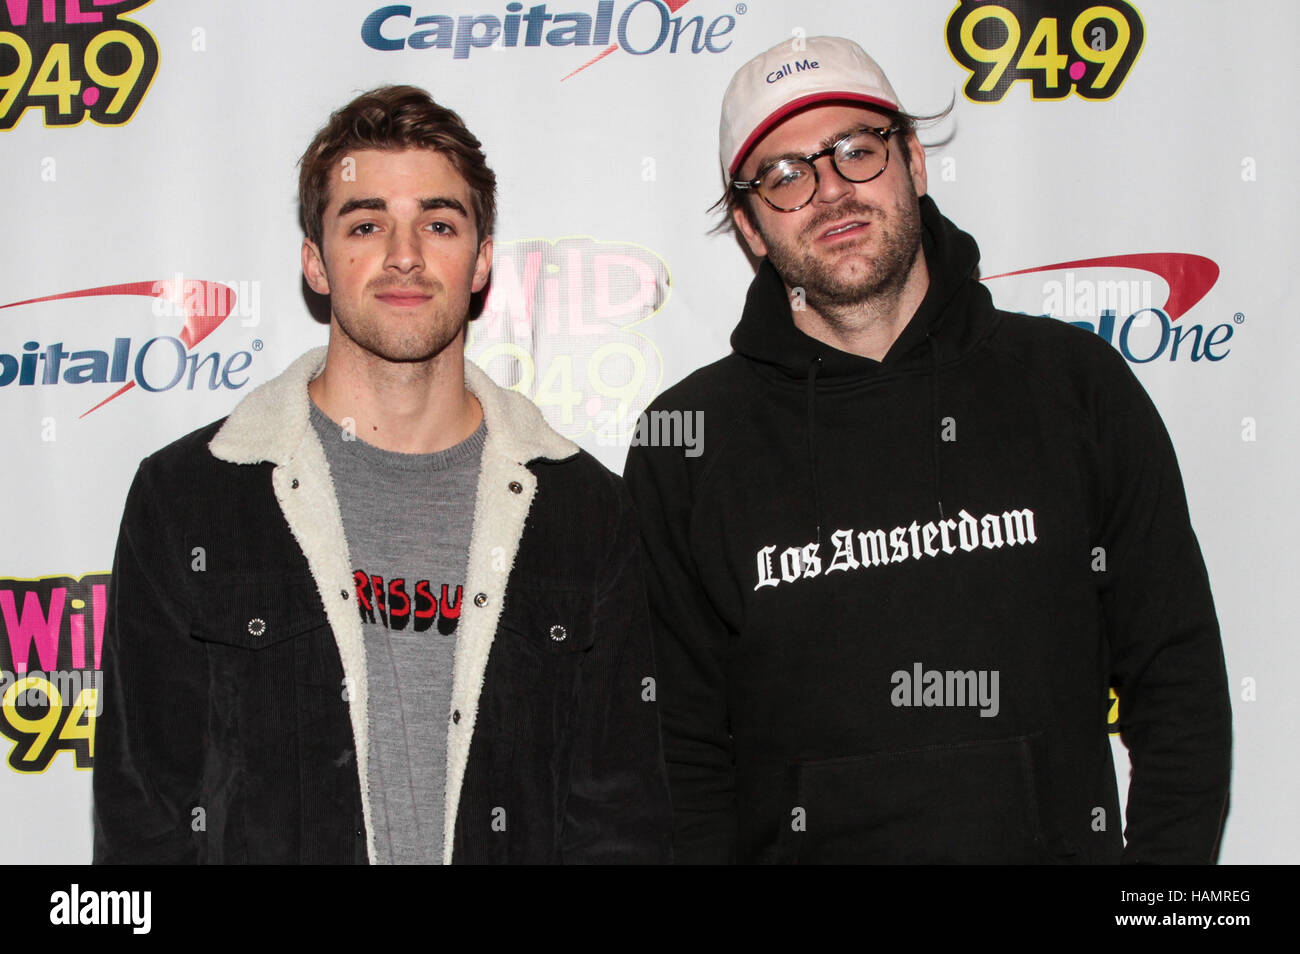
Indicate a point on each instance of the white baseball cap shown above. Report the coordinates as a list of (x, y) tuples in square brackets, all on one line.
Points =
[(791, 75)]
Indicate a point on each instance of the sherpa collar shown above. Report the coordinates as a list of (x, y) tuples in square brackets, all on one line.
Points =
[(270, 423)]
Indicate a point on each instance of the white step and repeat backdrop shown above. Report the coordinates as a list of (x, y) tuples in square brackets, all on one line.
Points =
[(1126, 164)]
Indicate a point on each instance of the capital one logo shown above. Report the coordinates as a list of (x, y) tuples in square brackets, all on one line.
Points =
[(638, 27), (157, 363), (1135, 302)]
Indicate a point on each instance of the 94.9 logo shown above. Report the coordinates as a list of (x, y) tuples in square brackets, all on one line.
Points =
[(1057, 46), (73, 59)]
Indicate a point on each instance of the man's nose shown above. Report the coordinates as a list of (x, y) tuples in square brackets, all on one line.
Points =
[(831, 186), (404, 250)]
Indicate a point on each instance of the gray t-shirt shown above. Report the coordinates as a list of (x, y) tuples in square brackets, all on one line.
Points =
[(407, 519)]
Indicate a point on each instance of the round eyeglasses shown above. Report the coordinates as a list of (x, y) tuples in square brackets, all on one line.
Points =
[(787, 185)]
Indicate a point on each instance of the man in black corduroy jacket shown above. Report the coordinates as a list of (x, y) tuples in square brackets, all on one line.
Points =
[(241, 714)]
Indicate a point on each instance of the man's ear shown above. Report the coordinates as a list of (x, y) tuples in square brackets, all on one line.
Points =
[(740, 215), (482, 265), (916, 152), (313, 268)]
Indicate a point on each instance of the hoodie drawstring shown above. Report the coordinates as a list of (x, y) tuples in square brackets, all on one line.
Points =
[(934, 408), (813, 365)]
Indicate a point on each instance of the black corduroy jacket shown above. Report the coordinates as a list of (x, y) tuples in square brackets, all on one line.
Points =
[(234, 722)]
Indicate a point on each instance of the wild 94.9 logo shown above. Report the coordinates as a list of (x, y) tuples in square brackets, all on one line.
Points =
[(1056, 46), (51, 640), (73, 58)]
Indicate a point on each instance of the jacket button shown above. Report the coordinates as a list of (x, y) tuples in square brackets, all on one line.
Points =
[(516, 487), (455, 717), (294, 485), (343, 593), (480, 599), (558, 633), (257, 626)]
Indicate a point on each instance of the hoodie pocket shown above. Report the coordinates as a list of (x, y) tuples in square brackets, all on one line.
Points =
[(968, 802)]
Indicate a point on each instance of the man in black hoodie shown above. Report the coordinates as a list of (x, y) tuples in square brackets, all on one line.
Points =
[(924, 539)]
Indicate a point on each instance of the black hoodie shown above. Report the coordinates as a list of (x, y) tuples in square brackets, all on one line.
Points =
[(890, 596)]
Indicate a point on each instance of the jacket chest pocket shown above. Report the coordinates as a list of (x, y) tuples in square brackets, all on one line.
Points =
[(257, 616), (269, 641), (280, 753), (543, 641), (551, 623), (543, 637)]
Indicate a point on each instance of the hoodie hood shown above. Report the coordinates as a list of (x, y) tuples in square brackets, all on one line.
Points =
[(956, 313), (954, 316)]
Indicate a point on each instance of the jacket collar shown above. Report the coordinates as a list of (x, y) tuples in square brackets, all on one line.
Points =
[(271, 422)]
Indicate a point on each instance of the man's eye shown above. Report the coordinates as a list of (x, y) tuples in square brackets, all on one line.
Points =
[(785, 176), (442, 228), (862, 148), (363, 228)]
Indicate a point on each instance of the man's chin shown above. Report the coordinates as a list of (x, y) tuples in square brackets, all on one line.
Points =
[(851, 283), (409, 353), (857, 278), (400, 352), (398, 349)]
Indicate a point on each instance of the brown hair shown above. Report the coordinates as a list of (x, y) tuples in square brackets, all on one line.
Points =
[(393, 117)]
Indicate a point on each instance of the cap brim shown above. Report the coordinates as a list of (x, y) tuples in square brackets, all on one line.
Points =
[(794, 106)]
